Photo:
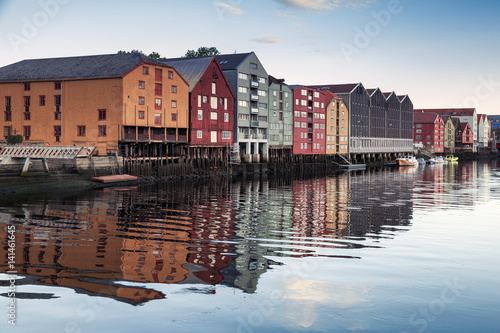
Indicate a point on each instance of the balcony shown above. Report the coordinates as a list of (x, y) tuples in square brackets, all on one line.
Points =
[(310, 130), (254, 123), (254, 110), (254, 84), (310, 120), (254, 97)]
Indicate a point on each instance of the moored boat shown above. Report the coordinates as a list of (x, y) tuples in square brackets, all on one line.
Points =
[(407, 160), (451, 158), (437, 160)]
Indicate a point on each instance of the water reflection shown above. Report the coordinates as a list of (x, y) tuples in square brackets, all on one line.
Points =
[(215, 233)]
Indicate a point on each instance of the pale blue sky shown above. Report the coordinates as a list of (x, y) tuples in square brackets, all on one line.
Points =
[(440, 53)]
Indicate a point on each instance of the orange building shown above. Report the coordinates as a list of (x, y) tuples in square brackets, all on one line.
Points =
[(109, 101), (337, 125)]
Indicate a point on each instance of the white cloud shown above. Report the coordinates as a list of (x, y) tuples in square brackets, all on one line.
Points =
[(267, 39), (228, 9), (326, 4)]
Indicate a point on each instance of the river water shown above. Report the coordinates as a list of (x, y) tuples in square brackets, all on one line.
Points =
[(386, 250)]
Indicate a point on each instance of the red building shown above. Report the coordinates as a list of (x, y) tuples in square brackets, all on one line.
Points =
[(467, 135), (309, 119), (211, 101), (428, 129)]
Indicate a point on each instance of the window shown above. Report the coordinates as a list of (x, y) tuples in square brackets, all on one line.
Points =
[(145, 70), (57, 100), (80, 130), (213, 136), (8, 116), (226, 135), (174, 89), (296, 101), (174, 116), (243, 103), (57, 115), (7, 101), (142, 84), (57, 85), (214, 88), (200, 114), (213, 115), (26, 101), (262, 80), (243, 90), (142, 100), (303, 92), (205, 99), (316, 94), (6, 131), (157, 103), (27, 132), (27, 116), (171, 75), (174, 104), (42, 100), (418, 131), (101, 114), (225, 103), (261, 93), (158, 89), (157, 118), (419, 137), (418, 125), (253, 65), (242, 76), (199, 101), (199, 134), (226, 117), (27, 87), (102, 130), (141, 114), (158, 74), (303, 102), (213, 102), (57, 130)]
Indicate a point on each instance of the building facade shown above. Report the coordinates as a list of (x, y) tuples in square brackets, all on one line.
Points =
[(280, 117), (249, 81), (109, 101), (449, 135), (211, 101), (337, 124), (429, 130), (495, 130), (468, 115), (309, 118)]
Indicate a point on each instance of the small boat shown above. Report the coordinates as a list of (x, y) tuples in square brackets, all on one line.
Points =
[(451, 158), (407, 161), (437, 160)]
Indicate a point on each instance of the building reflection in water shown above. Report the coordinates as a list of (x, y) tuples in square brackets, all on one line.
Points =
[(210, 234)]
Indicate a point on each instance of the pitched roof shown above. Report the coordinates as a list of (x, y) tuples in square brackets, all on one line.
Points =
[(82, 67), (464, 125), (231, 61), (191, 69), (450, 111), (424, 117), (272, 80), (337, 88)]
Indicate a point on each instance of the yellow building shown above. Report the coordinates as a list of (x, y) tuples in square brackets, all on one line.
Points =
[(106, 101), (337, 125)]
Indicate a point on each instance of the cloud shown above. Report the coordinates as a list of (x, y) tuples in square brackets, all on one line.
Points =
[(228, 9), (267, 39), (325, 4)]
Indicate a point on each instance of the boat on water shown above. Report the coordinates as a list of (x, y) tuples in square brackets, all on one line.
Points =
[(407, 160), (451, 158), (437, 160), (421, 161)]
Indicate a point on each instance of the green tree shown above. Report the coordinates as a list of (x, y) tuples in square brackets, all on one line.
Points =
[(14, 139), (202, 52), (154, 54)]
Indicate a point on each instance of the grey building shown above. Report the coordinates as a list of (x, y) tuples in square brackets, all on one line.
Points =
[(371, 118), (249, 81), (280, 118)]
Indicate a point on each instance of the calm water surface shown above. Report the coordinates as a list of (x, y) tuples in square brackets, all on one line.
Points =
[(392, 250)]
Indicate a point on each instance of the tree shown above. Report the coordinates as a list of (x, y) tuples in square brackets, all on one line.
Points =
[(202, 52), (14, 139), (154, 54)]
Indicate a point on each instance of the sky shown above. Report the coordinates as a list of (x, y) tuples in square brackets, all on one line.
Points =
[(440, 53)]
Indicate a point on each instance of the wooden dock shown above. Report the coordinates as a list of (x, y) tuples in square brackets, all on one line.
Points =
[(114, 178)]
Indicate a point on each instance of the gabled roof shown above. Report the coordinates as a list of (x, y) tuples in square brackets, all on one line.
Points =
[(456, 121), (231, 61), (464, 125), (83, 67), (337, 88), (272, 80), (425, 117), (457, 112), (191, 69)]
